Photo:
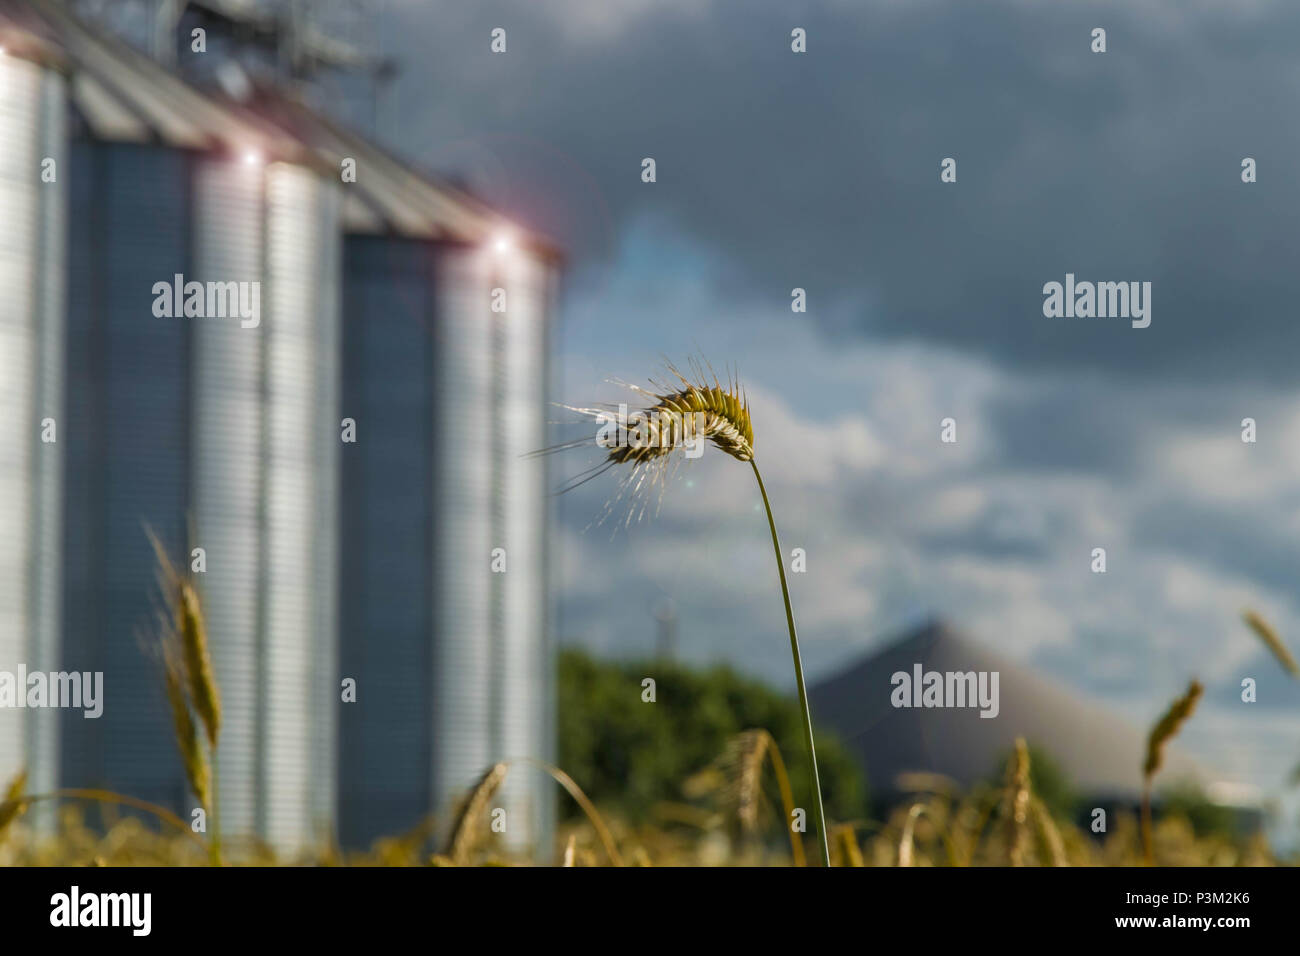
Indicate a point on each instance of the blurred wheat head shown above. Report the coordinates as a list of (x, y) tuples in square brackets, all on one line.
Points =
[(190, 682), (1164, 730)]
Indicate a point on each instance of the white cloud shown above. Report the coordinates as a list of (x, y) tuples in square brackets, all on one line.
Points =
[(896, 524)]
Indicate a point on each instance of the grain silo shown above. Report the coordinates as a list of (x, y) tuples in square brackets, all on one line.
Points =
[(446, 319), (411, 560), (217, 421), (33, 203)]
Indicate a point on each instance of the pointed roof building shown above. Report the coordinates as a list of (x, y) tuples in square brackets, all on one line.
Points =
[(1100, 752)]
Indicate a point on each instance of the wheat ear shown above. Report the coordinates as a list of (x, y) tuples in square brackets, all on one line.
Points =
[(198, 661), (193, 758), (1274, 643), (12, 806), (1016, 802), (465, 832), (1164, 730), (679, 418), (191, 684), (741, 765)]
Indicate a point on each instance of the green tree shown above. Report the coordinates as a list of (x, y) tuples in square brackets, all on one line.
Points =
[(630, 755)]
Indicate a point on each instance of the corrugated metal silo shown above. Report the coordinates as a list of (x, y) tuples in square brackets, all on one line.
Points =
[(32, 130), (199, 419), (385, 737), (228, 435), (47, 475), (466, 527), (128, 467), (195, 419), (301, 456), (524, 655), (264, 491)]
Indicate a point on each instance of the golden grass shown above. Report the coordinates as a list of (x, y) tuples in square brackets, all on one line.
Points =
[(844, 847), (1167, 727), (1274, 643), (198, 661), (1016, 803), (1179, 712), (194, 760), (11, 807), (466, 832), (694, 412), (190, 684), (935, 830), (735, 779), (1050, 835), (906, 841)]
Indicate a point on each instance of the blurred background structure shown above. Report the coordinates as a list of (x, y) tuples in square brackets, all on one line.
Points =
[(1093, 747), (325, 558)]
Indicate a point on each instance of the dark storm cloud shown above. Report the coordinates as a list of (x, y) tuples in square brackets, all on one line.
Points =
[(822, 170)]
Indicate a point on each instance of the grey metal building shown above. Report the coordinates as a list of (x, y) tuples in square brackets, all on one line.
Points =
[(325, 559)]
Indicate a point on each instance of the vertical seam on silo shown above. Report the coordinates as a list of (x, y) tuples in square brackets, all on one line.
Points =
[(98, 485), (496, 519), (432, 596), (261, 636), (550, 507), (36, 383)]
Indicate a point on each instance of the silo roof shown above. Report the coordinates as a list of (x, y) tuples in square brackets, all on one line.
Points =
[(124, 96)]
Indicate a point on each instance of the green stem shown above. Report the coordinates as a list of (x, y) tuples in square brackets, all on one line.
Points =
[(798, 674)]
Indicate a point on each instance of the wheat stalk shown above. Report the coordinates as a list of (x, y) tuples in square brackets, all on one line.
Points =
[(185, 609), (12, 806), (190, 684), (678, 418), (1274, 643), (741, 766), (198, 661), (1051, 835), (193, 758), (1016, 802), (909, 828), (583, 801), (472, 809), (847, 850), (741, 769), (1164, 730), (465, 832)]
